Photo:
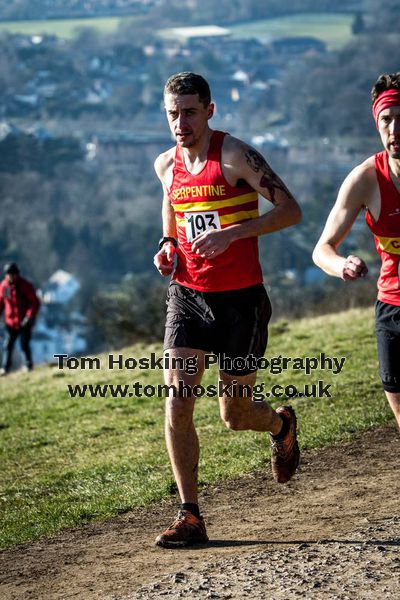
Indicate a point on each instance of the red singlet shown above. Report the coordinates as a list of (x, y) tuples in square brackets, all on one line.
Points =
[(207, 201), (386, 231)]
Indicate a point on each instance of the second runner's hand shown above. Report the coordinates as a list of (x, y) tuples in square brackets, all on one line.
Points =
[(354, 268)]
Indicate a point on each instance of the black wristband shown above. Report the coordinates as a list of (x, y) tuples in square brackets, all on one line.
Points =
[(165, 239)]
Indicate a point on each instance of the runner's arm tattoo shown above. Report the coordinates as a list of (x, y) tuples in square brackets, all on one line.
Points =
[(269, 179)]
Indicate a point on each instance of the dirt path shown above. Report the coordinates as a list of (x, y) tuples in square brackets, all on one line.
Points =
[(333, 532)]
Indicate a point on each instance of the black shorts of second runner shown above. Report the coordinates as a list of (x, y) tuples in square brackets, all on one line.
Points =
[(231, 324), (388, 336)]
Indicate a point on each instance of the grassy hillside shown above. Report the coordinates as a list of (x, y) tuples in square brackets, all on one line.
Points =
[(65, 28), (333, 29), (66, 461)]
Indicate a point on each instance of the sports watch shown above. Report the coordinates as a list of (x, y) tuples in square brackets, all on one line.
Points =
[(165, 239)]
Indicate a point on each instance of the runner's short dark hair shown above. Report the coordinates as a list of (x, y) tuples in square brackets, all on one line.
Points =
[(387, 81), (186, 83)]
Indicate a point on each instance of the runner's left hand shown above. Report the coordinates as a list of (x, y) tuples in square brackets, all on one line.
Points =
[(164, 259), (212, 243)]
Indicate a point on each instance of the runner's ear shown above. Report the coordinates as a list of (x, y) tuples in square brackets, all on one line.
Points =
[(210, 110)]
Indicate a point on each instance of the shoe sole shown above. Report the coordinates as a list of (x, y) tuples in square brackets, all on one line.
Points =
[(185, 544)]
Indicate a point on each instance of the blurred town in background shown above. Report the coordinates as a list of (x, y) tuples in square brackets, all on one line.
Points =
[(81, 122)]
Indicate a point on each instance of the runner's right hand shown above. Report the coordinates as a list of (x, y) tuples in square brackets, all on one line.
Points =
[(354, 268), (164, 259)]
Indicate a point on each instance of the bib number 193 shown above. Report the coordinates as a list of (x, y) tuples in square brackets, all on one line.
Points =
[(198, 222)]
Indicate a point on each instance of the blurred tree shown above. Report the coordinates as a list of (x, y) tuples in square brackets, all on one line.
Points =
[(132, 312)]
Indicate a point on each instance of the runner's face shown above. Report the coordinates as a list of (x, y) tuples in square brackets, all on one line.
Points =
[(389, 129), (187, 118)]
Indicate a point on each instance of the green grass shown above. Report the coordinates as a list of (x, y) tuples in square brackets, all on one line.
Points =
[(65, 28), (334, 29), (66, 461)]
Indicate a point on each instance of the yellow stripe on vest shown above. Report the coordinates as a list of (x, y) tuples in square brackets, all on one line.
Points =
[(215, 204), (390, 245), (241, 215)]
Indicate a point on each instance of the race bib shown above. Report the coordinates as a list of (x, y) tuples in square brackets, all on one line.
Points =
[(198, 222)]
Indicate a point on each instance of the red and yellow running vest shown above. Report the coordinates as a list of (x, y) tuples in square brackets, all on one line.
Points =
[(386, 231), (207, 201)]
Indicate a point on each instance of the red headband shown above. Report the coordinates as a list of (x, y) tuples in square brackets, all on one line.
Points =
[(387, 99)]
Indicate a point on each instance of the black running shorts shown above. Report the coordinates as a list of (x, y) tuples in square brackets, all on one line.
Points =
[(388, 336), (230, 324)]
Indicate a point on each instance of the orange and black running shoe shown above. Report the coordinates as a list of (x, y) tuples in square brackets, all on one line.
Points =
[(186, 530), (285, 452)]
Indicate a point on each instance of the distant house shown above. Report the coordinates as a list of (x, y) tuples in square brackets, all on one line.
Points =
[(60, 288), (293, 46), (190, 34), (46, 342), (59, 329)]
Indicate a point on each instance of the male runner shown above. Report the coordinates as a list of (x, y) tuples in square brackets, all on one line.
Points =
[(216, 300), (375, 186)]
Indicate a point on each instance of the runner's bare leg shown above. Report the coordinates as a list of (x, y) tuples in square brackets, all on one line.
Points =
[(180, 433), (241, 413), (394, 401)]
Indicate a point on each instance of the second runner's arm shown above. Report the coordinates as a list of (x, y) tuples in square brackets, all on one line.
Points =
[(350, 201)]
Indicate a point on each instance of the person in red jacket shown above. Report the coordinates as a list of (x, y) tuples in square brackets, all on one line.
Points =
[(20, 303)]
